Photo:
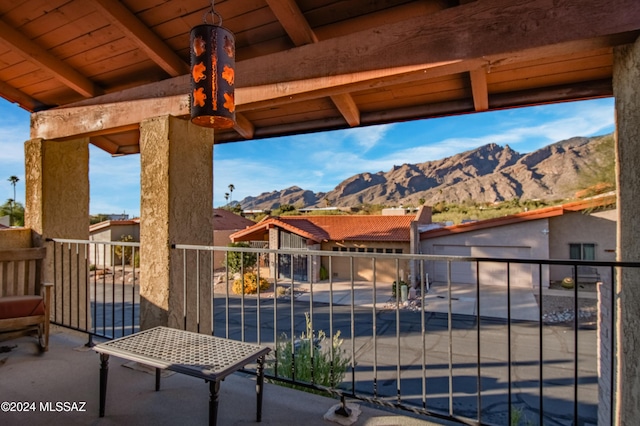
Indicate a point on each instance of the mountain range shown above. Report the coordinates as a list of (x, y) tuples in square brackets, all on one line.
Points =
[(490, 173)]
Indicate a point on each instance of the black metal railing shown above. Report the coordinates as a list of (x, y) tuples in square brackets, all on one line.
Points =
[(96, 286), (482, 352)]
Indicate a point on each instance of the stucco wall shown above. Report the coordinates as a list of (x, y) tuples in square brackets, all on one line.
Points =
[(626, 88), (221, 238), (100, 254), (176, 174), (15, 238), (598, 228), (363, 267), (521, 240)]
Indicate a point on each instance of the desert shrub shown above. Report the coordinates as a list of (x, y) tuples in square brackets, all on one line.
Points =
[(314, 358), (250, 284), (124, 252), (239, 261), (394, 287), (324, 274)]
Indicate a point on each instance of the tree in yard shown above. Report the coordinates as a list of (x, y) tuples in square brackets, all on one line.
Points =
[(11, 208), (231, 188), (14, 180)]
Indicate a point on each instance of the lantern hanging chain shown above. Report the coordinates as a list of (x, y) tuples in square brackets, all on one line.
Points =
[(213, 14)]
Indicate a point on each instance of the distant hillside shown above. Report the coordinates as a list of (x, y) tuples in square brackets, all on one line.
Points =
[(487, 174)]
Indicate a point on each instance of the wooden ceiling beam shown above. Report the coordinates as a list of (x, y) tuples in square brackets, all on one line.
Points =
[(12, 94), (498, 27), (293, 21), (348, 108), (585, 90), (479, 89), (300, 32), (142, 36), (36, 54), (244, 127), (83, 119)]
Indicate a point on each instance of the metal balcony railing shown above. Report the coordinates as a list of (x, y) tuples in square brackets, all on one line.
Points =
[(491, 351)]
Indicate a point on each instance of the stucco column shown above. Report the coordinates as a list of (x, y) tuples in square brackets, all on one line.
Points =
[(57, 206), (626, 89), (176, 207)]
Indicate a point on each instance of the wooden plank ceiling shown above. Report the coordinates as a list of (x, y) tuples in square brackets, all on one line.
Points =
[(97, 67)]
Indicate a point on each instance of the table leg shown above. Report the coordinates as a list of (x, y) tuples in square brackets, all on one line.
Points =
[(214, 390), (259, 387), (157, 379), (104, 371)]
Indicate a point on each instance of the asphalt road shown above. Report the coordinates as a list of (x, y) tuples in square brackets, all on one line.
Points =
[(433, 364)]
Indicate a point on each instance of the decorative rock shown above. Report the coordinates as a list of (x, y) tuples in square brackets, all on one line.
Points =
[(331, 415)]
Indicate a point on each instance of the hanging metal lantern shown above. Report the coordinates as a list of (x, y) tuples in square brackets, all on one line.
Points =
[(212, 75)]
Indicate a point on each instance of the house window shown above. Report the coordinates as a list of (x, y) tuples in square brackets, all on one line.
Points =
[(579, 251)]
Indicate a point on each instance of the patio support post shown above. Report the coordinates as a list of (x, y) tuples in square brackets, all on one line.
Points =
[(626, 89), (176, 207), (57, 206)]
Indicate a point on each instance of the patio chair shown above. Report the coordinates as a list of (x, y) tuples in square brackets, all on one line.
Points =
[(24, 299)]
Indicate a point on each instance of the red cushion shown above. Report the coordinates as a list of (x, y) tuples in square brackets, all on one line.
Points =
[(21, 306)]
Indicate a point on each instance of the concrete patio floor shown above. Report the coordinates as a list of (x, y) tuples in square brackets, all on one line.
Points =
[(69, 373)]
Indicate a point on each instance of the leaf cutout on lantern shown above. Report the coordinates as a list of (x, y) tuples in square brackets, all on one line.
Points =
[(228, 74), (228, 46), (198, 72), (199, 46), (230, 103), (199, 97)]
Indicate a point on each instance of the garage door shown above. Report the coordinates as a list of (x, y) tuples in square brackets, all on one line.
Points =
[(491, 273), (461, 272)]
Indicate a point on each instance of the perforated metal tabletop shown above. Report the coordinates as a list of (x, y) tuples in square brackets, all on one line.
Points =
[(199, 355)]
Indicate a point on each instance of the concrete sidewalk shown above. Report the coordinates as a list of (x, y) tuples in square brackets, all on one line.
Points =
[(493, 299), (69, 373)]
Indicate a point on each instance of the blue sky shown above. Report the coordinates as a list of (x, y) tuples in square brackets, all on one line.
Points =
[(319, 161)]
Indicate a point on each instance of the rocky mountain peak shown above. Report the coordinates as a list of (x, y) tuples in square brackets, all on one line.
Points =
[(486, 174)]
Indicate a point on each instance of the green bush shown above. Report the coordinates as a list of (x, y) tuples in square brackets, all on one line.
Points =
[(239, 261), (394, 286), (249, 285), (324, 274), (318, 358), (124, 252)]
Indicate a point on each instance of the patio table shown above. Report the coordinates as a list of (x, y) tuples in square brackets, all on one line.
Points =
[(198, 355)]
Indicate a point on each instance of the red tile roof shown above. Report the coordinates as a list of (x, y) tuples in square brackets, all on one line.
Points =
[(521, 217), (335, 228), (224, 220)]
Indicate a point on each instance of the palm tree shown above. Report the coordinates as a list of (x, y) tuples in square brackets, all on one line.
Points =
[(13, 180), (226, 197), (231, 188)]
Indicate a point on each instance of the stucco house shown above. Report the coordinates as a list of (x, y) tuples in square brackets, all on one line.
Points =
[(581, 230), (395, 231), (107, 231), (225, 223)]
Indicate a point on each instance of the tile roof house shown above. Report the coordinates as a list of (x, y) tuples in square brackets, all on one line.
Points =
[(581, 230), (225, 223), (395, 233)]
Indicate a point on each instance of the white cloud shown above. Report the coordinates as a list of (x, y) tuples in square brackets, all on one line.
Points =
[(368, 137)]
